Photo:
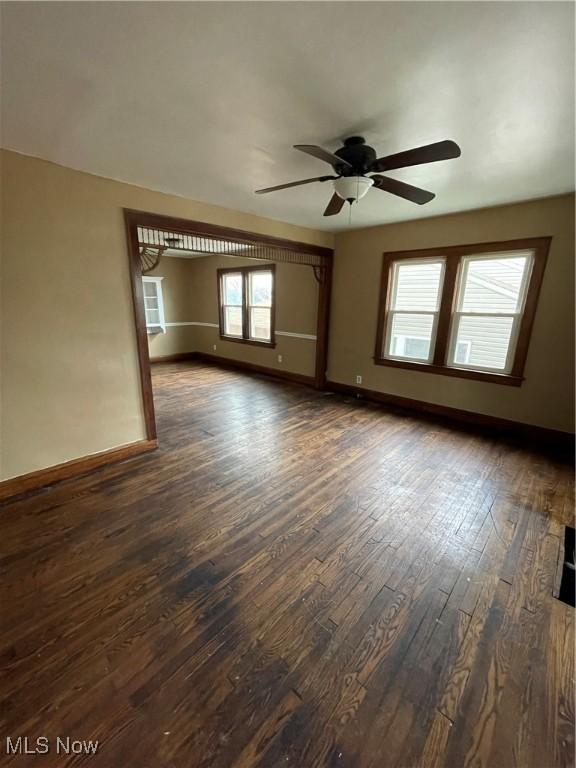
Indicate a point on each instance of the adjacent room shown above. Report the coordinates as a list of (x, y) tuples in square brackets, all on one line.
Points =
[(203, 294), (287, 384)]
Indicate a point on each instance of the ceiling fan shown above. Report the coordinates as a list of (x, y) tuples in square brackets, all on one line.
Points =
[(355, 159)]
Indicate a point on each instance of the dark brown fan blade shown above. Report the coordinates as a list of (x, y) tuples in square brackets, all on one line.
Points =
[(322, 154), (407, 191), (431, 153), (334, 206), (294, 184)]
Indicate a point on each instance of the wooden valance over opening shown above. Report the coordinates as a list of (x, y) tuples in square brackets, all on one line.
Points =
[(155, 239)]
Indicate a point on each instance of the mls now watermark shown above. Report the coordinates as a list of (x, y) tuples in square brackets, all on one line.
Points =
[(61, 745)]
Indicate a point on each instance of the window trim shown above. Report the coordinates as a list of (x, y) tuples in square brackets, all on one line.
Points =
[(245, 272), (453, 256)]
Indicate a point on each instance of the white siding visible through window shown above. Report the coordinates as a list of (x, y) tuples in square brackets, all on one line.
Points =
[(413, 309), (463, 310), (489, 305)]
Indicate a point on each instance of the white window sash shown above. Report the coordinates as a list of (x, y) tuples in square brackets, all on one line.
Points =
[(390, 312), (251, 306), (511, 351), (269, 310), (226, 306), (390, 322), (225, 332), (517, 316)]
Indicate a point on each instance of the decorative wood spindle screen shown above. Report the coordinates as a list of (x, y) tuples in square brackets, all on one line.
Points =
[(153, 242)]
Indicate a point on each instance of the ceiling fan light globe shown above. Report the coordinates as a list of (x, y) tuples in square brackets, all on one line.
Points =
[(352, 187)]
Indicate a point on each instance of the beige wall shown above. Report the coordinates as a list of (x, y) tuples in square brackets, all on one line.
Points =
[(546, 398), (70, 384), (69, 373), (190, 293), (177, 285)]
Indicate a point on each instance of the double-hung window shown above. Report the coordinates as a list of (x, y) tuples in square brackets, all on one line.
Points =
[(462, 311), (246, 300), (231, 303), (490, 300), (414, 307)]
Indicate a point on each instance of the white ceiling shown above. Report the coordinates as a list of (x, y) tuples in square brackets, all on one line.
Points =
[(206, 99), (174, 254), (178, 254)]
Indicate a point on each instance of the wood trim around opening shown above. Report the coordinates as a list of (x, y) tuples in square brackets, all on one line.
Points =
[(140, 322), (453, 255), (323, 323), (190, 227), (134, 219)]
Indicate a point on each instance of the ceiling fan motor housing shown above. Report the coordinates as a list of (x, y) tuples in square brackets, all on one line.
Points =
[(358, 154)]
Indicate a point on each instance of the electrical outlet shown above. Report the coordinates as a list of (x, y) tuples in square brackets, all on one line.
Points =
[(279, 358), (358, 379), (214, 347)]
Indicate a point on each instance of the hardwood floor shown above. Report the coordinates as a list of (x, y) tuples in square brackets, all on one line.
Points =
[(293, 579)]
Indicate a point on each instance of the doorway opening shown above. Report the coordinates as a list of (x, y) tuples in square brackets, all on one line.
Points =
[(234, 297)]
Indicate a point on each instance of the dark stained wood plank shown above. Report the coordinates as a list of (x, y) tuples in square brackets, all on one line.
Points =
[(293, 578), (559, 691)]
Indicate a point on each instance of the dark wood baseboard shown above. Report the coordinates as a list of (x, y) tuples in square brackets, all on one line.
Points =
[(23, 484), (562, 442), (176, 358), (241, 365), (226, 362), (537, 436)]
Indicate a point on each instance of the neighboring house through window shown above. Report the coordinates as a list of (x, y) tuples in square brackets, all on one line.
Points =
[(463, 311)]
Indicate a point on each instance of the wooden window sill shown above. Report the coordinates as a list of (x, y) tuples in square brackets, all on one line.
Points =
[(462, 373), (253, 342)]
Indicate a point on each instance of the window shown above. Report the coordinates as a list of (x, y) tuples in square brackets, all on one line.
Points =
[(260, 305), (232, 292), (246, 298), (490, 300), (153, 304), (414, 306), (462, 311)]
